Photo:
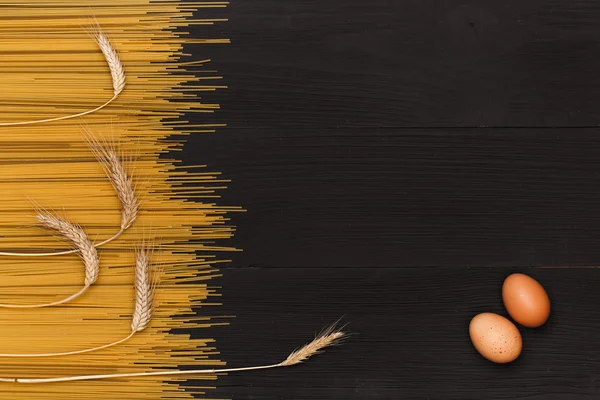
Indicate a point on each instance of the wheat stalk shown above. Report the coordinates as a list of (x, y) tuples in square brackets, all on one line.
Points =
[(117, 73), (330, 337), (77, 236), (145, 286), (124, 188)]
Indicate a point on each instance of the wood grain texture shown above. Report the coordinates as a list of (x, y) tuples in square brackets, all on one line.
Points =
[(395, 198), (411, 339), (382, 63), (398, 159)]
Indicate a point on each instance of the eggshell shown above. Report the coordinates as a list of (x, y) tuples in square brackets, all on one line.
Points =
[(495, 337), (525, 300)]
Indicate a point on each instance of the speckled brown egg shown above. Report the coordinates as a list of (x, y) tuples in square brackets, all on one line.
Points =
[(525, 300), (495, 337)]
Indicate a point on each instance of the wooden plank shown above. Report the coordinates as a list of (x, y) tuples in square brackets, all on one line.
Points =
[(411, 334), (393, 198), (381, 63)]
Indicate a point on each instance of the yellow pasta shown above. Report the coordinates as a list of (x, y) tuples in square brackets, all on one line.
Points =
[(52, 67)]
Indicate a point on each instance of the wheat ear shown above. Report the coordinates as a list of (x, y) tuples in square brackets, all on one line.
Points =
[(144, 292), (77, 236), (330, 337), (121, 181), (145, 285), (117, 73), (124, 188)]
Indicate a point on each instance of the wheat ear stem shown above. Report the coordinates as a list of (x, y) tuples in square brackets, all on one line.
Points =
[(62, 252), (81, 114), (135, 374), (55, 303), (87, 252), (116, 71), (68, 353), (329, 337)]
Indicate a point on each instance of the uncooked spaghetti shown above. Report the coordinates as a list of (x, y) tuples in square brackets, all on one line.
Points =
[(52, 68)]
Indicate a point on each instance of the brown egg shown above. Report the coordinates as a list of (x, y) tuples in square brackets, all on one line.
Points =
[(495, 337), (525, 300)]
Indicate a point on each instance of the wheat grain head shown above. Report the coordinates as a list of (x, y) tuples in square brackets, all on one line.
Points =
[(76, 235), (329, 337), (116, 172), (124, 187), (144, 291), (113, 60)]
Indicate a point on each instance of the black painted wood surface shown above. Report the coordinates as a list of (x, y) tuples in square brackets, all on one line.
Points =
[(397, 160)]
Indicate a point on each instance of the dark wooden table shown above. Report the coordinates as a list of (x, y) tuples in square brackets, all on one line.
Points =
[(397, 160)]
